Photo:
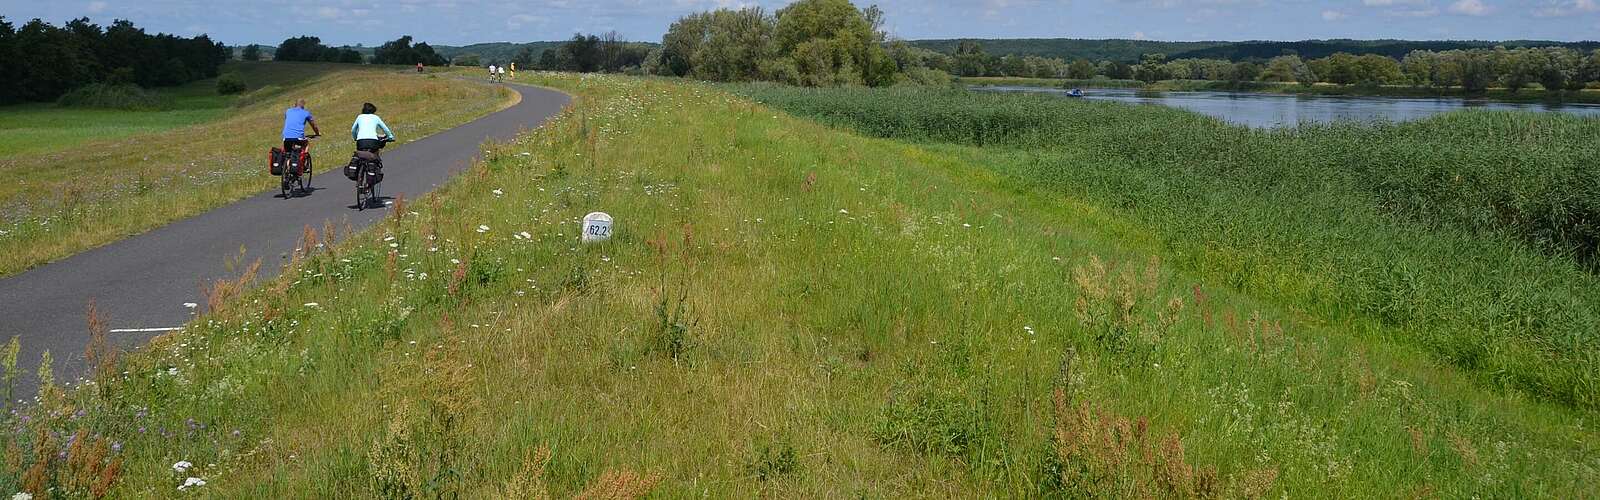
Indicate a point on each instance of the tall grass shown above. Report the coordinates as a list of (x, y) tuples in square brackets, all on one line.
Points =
[(784, 310), (1474, 233), (1093, 83)]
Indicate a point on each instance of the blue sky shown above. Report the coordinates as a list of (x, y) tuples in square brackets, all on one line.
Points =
[(460, 22)]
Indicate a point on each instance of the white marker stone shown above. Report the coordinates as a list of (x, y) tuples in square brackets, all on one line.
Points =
[(596, 227)]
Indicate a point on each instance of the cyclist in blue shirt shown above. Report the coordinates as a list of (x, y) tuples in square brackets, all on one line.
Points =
[(294, 125)]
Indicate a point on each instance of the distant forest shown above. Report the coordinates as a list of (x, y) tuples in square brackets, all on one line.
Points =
[(1131, 51), (1128, 51), (478, 54), (41, 62), (496, 51), (1120, 50)]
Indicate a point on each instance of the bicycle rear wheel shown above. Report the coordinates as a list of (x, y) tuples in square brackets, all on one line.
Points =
[(361, 183)]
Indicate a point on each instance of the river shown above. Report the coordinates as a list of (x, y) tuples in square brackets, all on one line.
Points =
[(1287, 110)]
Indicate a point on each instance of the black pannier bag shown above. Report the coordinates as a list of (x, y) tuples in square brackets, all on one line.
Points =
[(364, 158), (374, 173), (299, 165), (275, 159)]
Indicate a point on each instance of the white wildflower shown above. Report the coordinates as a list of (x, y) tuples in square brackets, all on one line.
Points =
[(193, 482), (182, 465)]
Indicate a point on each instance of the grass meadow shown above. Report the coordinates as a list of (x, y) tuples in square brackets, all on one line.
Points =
[(84, 177), (794, 310)]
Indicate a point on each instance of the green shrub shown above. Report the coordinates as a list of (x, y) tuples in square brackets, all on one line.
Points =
[(925, 76), (108, 96), (937, 420), (774, 459), (230, 83)]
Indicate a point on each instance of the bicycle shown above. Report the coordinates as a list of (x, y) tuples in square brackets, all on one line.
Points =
[(368, 173), (296, 176)]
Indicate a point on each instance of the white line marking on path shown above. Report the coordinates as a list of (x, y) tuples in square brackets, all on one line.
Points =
[(144, 330)]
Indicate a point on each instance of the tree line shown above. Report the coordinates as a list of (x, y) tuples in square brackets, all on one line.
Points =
[(608, 53), (1317, 49), (1553, 68), (42, 62), (311, 49), (808, 42), (1131, 51), (306, 49)]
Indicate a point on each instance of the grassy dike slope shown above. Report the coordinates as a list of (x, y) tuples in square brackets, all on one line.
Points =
[(112, 174), (786, 309)]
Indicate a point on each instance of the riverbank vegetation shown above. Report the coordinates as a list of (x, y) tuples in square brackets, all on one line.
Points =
[(1534, 95), (1130, 51), (1550, 73), (86, 176), (909, 319)]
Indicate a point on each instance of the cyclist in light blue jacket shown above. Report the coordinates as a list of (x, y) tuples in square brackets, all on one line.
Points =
[(365, 130)]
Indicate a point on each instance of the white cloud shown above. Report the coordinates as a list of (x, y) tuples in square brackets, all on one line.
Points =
[(1469, 8), (1387, 3), (1333, 15), (1139, 35), (97, 7), (520, 20), (1567, 8), (1421, 12)]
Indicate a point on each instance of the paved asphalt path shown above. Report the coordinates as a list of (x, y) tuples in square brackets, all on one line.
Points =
[(143, 282)]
